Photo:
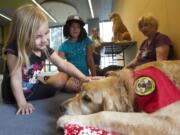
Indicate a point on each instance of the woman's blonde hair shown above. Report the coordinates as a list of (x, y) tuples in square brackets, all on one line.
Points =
[(148, 19), (25, 23)]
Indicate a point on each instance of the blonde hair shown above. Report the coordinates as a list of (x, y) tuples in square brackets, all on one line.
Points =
[(25, 23), (148, 19)]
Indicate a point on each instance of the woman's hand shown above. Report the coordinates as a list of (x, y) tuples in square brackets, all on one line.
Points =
[(25, 109)]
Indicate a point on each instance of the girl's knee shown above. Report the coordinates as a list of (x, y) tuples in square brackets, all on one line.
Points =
[(59, 80), (73, 85)]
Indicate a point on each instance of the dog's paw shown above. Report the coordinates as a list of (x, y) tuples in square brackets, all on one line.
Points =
[(71, 119), (62, 121), (67, 119)]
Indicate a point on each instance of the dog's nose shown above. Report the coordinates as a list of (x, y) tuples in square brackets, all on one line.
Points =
[(62, 109)]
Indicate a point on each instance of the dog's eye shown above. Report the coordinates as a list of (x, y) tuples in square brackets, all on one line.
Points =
[(86, 98)]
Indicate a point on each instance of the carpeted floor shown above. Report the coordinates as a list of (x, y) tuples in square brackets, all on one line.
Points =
[(40, 122), (1, 77)]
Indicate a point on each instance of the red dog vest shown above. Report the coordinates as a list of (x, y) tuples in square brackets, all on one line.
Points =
[(165, 92)]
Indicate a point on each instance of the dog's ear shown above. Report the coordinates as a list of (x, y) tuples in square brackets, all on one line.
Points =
[(95, 96), (119, 101), (109, 104), (125, 99), (122, 97), (127, 79)]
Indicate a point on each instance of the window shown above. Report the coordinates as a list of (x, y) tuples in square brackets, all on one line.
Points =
[(56, 38), (106, 31), (108, 58)]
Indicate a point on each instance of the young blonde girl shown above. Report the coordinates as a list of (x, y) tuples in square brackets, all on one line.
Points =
[(27, 49)]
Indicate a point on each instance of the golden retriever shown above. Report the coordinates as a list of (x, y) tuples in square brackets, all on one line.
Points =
[(119, 30), (109, 104)]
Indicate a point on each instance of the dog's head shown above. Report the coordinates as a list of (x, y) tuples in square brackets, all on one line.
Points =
[(115, 16), (112, 93)]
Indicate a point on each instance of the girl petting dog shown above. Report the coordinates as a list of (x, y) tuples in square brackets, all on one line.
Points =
[(27, 49)]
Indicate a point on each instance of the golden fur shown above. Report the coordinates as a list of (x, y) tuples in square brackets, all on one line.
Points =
[(119, 30), (110, 104)]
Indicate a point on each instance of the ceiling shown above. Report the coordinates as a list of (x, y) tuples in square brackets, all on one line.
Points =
[(60, 9)]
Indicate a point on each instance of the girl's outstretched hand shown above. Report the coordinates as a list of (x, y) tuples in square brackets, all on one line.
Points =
[(86, 79), (25, 109), (97, 77), (90, 78)]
